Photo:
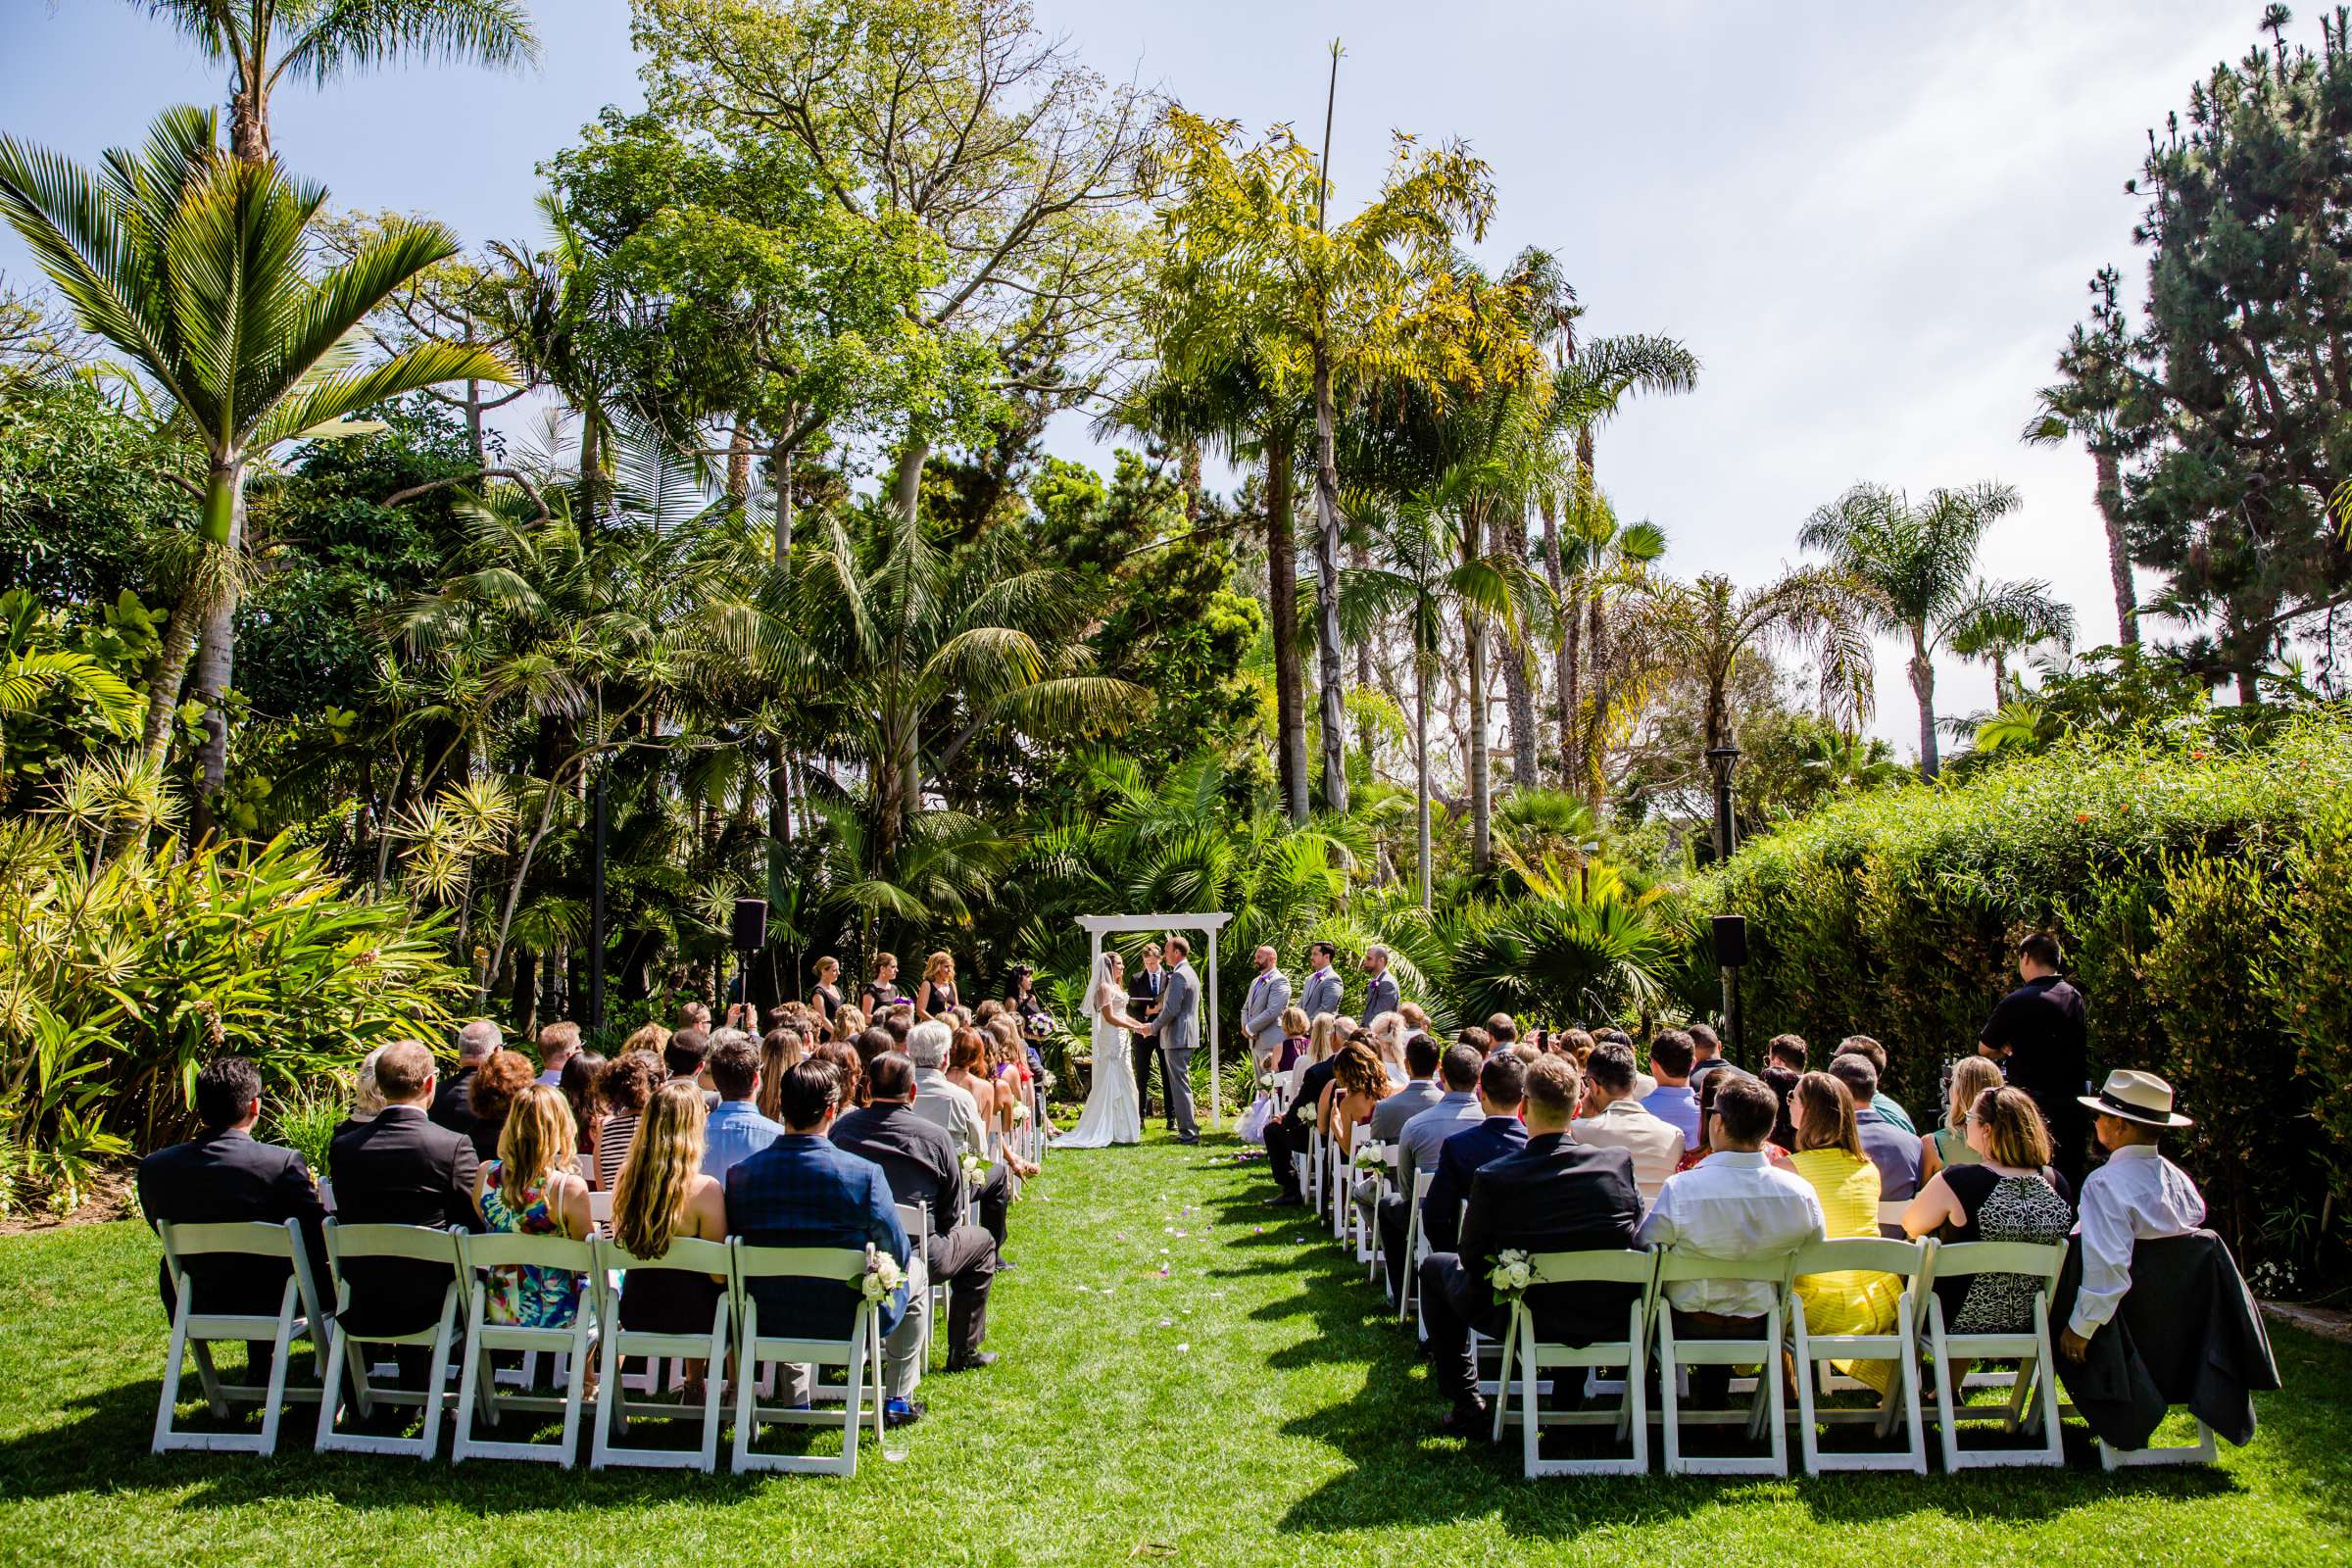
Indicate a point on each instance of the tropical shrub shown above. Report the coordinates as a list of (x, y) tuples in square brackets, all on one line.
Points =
[(2201, 883)]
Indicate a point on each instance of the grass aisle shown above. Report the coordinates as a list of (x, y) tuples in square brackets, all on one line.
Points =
[(1246, 1405)]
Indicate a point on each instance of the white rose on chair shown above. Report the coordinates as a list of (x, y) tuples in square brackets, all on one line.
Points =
[(1368, 1159), (976, 1169), (1513, 1272), (1020, 1110), (1268, 1080), (882, 1277)]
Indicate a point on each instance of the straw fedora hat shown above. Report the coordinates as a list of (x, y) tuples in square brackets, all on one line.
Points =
[(2140, 1097)]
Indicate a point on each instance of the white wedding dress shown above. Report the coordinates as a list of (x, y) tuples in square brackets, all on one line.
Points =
[(1113, 1114)]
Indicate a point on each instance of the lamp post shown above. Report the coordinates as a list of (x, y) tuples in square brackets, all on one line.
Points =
[(1720, 760)]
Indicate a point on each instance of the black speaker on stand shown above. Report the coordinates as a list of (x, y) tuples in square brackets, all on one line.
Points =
[(1731, 955), (750, 934)]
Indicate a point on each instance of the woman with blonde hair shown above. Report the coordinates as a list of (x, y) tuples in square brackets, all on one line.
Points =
[(531, 1189), (937, 993), (1324, 1036), (662, 1195), (781, 1049), (1294, 1027), (826, 993), (1828, 1156), (1948, 1143), (1388, 1044)]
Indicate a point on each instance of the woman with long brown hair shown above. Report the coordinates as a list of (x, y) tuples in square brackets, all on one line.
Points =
[(846, 1064), (780, 1051), (626, 1084), (663, 1195), (1359, 1082)]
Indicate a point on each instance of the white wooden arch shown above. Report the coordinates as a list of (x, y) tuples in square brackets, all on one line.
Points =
[(1206, 924)]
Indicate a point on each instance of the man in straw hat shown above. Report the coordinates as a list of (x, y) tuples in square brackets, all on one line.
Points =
[(2138, 1196)]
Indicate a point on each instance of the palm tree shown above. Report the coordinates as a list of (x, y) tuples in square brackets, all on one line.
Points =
[(266, 41), (1996, 626), (1919, 563), (2083, 404), (1704, 629), (193, 267), (1604, 560)]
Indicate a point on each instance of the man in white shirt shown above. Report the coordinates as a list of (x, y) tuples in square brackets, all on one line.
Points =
[(1616, 1119), (559, 1043), (2137, 1196), (1732, 1204)]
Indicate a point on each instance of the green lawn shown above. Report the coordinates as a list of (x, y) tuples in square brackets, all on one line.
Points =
[(1250, 1406)]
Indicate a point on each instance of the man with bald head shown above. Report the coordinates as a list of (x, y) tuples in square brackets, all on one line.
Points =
[(1262, 1008)]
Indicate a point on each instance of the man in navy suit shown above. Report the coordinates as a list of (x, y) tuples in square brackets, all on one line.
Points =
[(222, 1175), (803, 1190), (1501, 1085), (1548, 1196)]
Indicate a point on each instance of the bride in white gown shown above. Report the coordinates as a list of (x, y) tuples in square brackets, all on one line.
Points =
[(1113, 1114)]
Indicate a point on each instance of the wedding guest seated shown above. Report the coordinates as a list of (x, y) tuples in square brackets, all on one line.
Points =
[(224, 1174), (1871, 1050), (1782, 1081), (1786, 1051), (651, 1038), (1579, 1045), (1774, 1149), (1387, 1038), (2156, 1311), (849, 1062), (1477, 1039), (804, 1191), (491, 1095), (868, 1044), (847, 1024), (1893, 1149), (367, 1095), (624, 1087), (694, 1015), (667, 1193), (684, 1056), (558, 1043), (1502, 1029), (1734, 1204), (453, 1105), (1501, 1085), (1287, 1134), (1709, 1046), (1828, 1156), (1948, 1145), (1548, 1196), (1420, 1091), (1359, 1082), (1418, 1145), (940, 1101), (918, 1158), (1294, 1026), (401, 1169), (530, 1189), (1614, 1119), (781, 1048), (2007, 1192), (736, 1130), (580, 1073), (1671, 1054)]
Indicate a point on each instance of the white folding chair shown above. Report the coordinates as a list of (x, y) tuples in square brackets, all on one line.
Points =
[(1767, 1413), (856, 1351), (2201, 1451), (478, 1392), (1416, 1248), (197, 1332), (1637, 1266), (600, 1210), (1369, 1249), (1906, 1260), (916, 1220), (1315, 1161), (1890, 1212), (2030, 1348), (613, 1409), (414, 1244)]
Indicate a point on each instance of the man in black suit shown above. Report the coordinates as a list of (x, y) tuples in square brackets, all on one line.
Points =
[(919, 1157), (453, 1098), (223, 1175), (1145, 987), (1501, 1085), (1549, 1196), (400, 1169)]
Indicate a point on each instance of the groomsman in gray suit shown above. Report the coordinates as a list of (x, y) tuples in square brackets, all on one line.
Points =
[(1324, 986), (1380, 987), (1262, 1009), (1177, 1029)]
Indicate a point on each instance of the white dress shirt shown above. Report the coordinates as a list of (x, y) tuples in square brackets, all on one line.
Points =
[(2138, 1196), (1733, 1204), (1656, 1144)]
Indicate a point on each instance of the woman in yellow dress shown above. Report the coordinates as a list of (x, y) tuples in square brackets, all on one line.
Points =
[(1828, 1156)]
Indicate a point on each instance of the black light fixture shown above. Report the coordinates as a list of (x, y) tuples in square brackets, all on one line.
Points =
[(1720, 760)]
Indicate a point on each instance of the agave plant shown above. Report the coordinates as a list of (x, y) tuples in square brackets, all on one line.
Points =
[(1560, 960)]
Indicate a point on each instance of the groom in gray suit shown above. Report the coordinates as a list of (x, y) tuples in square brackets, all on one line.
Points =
[(1177, 1029)]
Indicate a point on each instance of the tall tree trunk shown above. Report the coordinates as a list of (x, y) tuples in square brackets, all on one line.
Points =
[(1596, 663), (1282, 615), (1360, 558), (1519, 679), (2119, 554), (1188, 472), (162, 686), (1923, 686), (738, 463), (780, 460), (474, 423), (1421, 771), (1327, 589), (1564, 649), (2000, 676), (222, 526), (1474, 641), (907, 485)]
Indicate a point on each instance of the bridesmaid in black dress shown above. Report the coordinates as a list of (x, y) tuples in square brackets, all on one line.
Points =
[(827, 994), (937, 993)]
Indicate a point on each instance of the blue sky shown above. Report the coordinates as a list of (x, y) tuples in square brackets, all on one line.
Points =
[(1873, 224)]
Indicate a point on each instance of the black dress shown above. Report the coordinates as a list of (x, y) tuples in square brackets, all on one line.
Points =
[(2002, 1208), (829, 999), (669, 1300), (936, 999)]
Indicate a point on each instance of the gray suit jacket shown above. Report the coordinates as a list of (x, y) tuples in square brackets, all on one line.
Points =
[(1322, 994), (1261, 1010), (1180, 1010), (1380, 995), (1391, 1114)]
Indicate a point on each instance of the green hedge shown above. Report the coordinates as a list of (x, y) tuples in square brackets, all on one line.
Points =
[(2203, 890)]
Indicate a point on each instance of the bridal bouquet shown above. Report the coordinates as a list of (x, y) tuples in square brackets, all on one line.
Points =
[(1513, 1272), (883, 1276)]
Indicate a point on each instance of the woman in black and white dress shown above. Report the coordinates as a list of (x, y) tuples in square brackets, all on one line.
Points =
[(2010, 1195)]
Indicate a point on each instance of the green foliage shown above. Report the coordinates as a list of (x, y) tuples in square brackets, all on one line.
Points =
[(1562, 960), (2177, 873), (85, 492)]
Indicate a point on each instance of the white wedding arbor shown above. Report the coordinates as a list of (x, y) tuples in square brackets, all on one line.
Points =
[(1206, 924)]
